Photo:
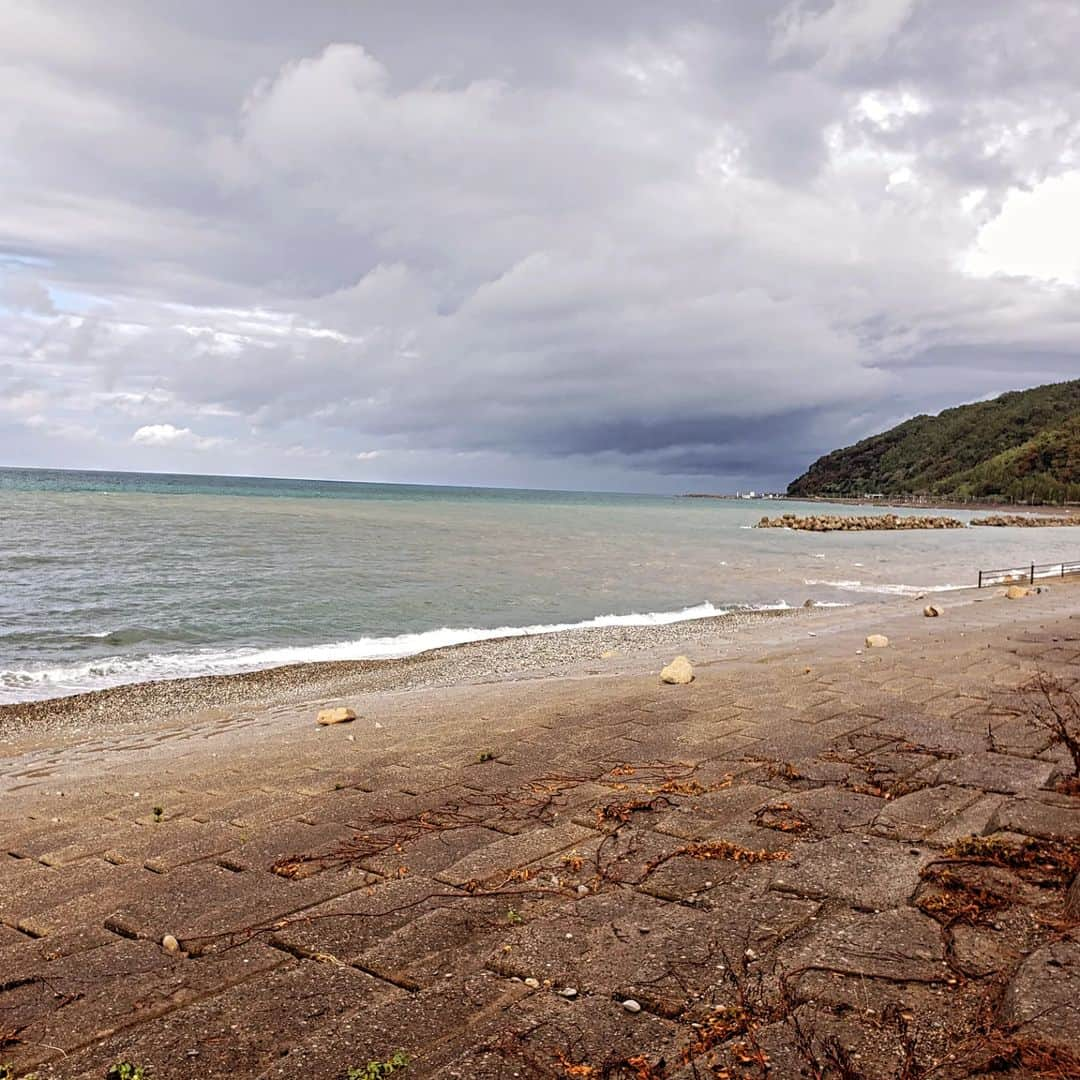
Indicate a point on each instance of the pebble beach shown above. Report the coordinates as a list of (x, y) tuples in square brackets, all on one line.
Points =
[(538, 656)]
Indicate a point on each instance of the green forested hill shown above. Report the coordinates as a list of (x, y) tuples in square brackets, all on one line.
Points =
[(1023, 446)]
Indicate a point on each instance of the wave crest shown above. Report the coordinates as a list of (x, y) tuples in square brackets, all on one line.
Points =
[(883, 588), (28, 685)]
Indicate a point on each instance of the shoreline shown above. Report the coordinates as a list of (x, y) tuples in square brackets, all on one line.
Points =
[(485, 874), (900, 503), (511, 658), (978, 505)]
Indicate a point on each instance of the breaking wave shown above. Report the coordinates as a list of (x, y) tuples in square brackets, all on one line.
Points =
[(29, 685), (883, 588)]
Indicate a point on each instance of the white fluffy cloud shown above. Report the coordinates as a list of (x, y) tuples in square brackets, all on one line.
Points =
[(610, 247), (170, 435), (1035, 235)]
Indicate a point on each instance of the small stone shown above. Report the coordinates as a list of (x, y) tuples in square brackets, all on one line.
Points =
[(583, 890), (568, 992), (678, 673), (876, 641), (170, 944), (533, 984), (932, 611), (631, 1006), (339, 715)]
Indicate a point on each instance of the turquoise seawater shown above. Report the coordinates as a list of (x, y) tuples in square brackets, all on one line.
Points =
[(118, 577)]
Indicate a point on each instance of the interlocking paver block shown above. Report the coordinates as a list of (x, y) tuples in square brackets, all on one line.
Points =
[(995, 772), (1048, 816), (243, 1029), (435, 1026), (915, 816), (514, 851), (901, 944), (1042, 1001), (869, 873)]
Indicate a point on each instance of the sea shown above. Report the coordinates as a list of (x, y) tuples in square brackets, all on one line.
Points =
[(109, 578)]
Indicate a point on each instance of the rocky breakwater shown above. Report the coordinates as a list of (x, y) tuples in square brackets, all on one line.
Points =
[(1026, 521), (858, 522)]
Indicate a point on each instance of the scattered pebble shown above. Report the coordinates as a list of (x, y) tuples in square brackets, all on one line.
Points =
[(678, 673), (340, 715), (533, 984), (170, 944), (568, 992), (631, 1006)]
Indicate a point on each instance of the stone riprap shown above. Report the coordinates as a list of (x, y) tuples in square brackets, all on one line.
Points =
[(1027, 521), (858, 522)]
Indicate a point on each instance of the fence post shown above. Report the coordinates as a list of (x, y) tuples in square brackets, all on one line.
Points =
[(980, 579), (1032, 573)]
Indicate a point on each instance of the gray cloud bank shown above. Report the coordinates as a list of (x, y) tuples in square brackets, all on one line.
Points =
[(609, 244)]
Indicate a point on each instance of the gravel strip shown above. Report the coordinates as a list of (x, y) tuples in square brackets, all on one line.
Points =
[(535, 655)]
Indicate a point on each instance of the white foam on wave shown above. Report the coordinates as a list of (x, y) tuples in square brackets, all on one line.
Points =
[(882, 587), (28, 685)]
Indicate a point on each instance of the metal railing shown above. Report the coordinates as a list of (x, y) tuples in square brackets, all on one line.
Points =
[(1027, 573)]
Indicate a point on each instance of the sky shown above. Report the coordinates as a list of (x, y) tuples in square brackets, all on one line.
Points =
[(617, 245)]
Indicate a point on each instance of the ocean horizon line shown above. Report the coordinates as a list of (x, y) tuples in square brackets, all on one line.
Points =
[(333, 480)]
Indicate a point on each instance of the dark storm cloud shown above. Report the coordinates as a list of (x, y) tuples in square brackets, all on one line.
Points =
[(611, 244)]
